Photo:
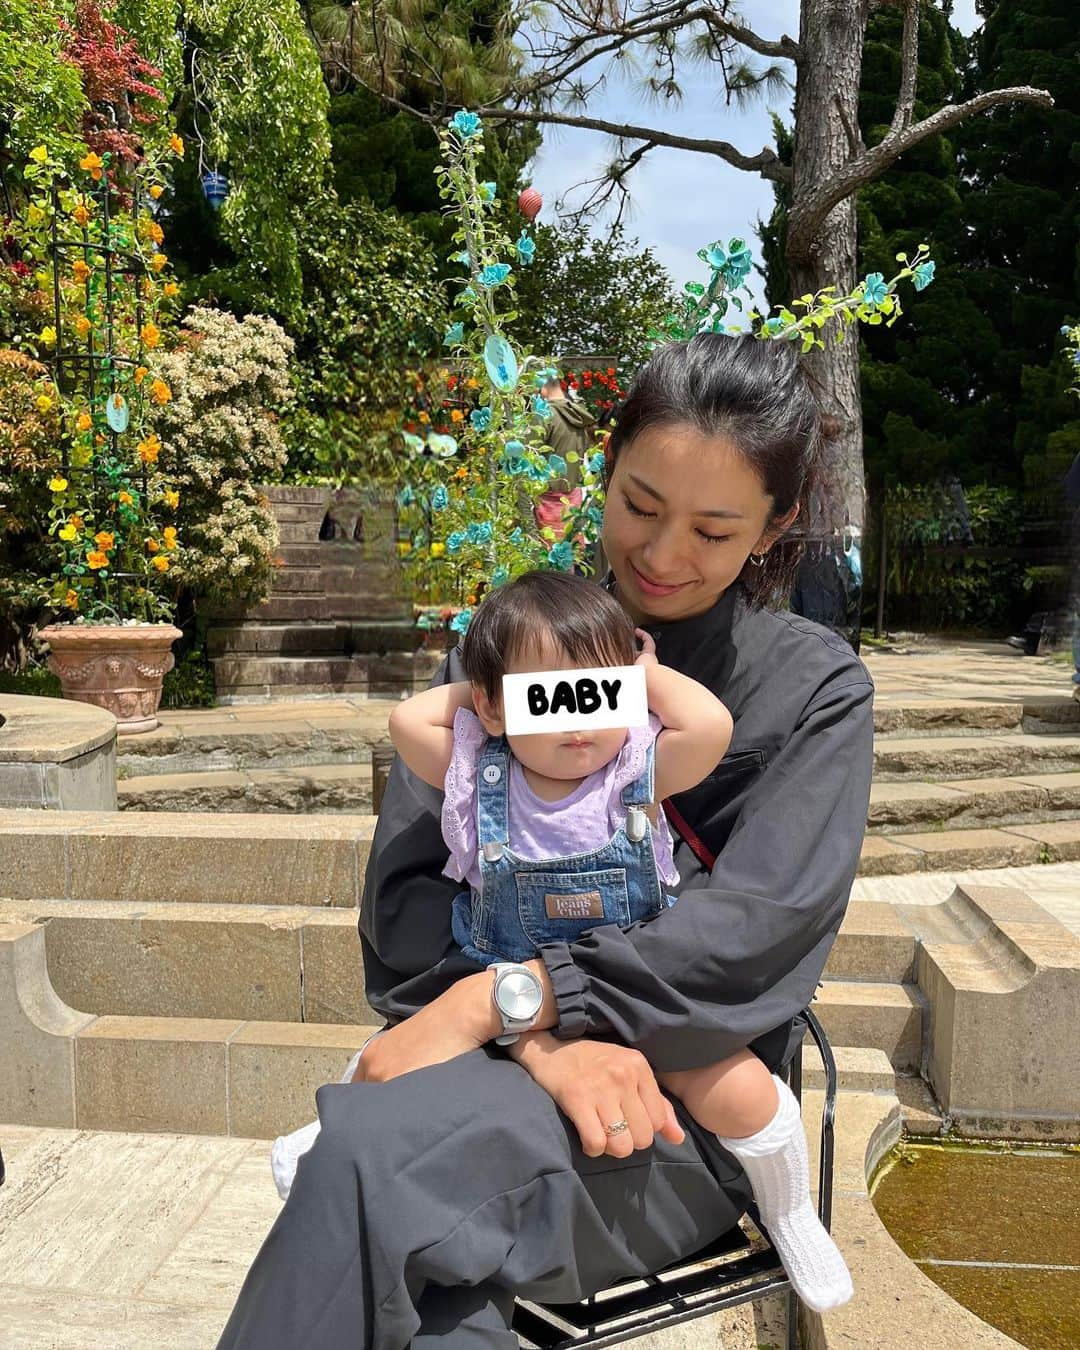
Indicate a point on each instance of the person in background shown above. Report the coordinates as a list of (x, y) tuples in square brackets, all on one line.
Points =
[(569, 430)]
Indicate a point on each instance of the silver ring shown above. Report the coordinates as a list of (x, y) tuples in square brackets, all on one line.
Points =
[(619, 1127)]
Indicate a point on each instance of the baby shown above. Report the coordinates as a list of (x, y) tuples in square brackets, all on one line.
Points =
[(556, 833)]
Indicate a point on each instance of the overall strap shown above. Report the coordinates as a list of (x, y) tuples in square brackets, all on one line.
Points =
[(493, 792), (640, 791)]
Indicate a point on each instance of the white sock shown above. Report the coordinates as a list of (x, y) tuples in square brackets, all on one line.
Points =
[(775, 1162), (287, 1149)]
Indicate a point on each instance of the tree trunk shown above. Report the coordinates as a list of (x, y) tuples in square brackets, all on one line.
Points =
[(826, 118)]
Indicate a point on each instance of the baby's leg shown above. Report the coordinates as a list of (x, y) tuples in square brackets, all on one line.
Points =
[(756, 1117), (734, 1098)]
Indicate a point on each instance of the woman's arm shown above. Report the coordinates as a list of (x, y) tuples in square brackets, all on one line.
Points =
[(742, 951), (422, 729), (697, 726)]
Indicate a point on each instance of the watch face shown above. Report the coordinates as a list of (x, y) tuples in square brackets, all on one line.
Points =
[(518, 994)]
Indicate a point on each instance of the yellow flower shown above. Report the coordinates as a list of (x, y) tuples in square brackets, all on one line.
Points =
[(156, 191), (160, 391), (403, 547), (462, 472), (472, 382), (156, 233), (77, 521), (150, 448), (69, 533), (437, 550), (171, 289), (152, 545), (72, 599), (160, 562), (176, 145), (424, 417), (104, 540), (82, 325), (456, 415), (83, 422), (125, 498), (43, 403), (80, 270), (57, 484), (171, 498), (94, 560), (158, 261), (146, 286), (39, 154), (34, 214), (92, 163), (150, 334), (470, 599), (80, 213), (99, 439), (140, 374), (169, 535), (48, 336)]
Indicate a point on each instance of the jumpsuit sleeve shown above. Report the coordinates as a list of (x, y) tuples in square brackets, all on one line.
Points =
[(742, 951)]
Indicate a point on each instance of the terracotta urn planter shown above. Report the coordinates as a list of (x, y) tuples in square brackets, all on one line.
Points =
[(117, 666)]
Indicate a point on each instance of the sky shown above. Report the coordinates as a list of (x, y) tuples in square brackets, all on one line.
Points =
[(682, 201)]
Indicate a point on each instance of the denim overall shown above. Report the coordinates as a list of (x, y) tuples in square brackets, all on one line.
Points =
[(526, 902)]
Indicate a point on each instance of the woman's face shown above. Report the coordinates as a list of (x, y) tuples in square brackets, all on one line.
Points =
[(684, 511)]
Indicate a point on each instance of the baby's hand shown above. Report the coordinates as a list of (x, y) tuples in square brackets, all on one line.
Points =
[(647, 656)]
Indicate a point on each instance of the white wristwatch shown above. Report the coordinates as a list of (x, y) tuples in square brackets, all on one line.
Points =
[(518, 996)]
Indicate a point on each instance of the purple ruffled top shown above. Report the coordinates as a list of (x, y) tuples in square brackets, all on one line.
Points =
[(580, 822)]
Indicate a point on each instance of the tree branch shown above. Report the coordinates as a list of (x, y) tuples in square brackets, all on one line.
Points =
[(786, 48), (808, 215), (909, 67), (766, 162)]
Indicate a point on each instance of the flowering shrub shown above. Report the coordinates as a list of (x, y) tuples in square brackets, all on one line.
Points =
[(112, 509), (466, 512), (230, 380), (1071, 334), (29, 424), (598, 389)]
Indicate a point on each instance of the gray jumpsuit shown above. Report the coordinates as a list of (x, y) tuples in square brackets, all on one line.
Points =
[(428, 1202)]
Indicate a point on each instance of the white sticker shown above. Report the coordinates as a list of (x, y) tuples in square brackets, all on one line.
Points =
[(575, 700)]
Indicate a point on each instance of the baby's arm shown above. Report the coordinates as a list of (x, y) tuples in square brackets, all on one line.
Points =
[(422, 729), (697, 726)]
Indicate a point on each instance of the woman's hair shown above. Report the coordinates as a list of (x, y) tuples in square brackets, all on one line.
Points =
[(577, 615), (756, 393)]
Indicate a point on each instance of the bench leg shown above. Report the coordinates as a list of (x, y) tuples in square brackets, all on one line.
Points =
[(792, 1320)]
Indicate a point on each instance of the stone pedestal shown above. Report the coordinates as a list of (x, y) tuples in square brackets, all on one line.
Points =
[(56, 754)]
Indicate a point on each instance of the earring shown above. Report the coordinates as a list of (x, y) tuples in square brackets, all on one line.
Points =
[(758, 559)]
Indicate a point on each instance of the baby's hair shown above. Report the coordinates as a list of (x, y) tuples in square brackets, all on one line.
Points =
[(577, 615)]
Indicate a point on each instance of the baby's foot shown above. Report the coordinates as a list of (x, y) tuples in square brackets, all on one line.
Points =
[(286, 1152), (818, 1273)]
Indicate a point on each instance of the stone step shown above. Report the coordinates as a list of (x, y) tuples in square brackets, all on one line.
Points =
[(240, 673), (259, 1079), (290, 963), (274, 736), (947, 758), (204, 858), (886, 1017), (957, 850), (932, 717), (276, 639), (323, 788), (897, 807)]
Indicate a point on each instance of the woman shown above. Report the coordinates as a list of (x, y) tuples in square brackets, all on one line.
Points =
[(453, 1175)]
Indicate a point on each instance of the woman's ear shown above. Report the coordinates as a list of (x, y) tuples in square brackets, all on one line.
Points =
[(489, 712), (776, 529)]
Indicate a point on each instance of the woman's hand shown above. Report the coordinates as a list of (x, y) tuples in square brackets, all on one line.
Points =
[(597, 1084), (647, 656), (453, 1024)]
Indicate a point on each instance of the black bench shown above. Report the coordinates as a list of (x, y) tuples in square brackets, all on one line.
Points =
[(730, 1271)]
